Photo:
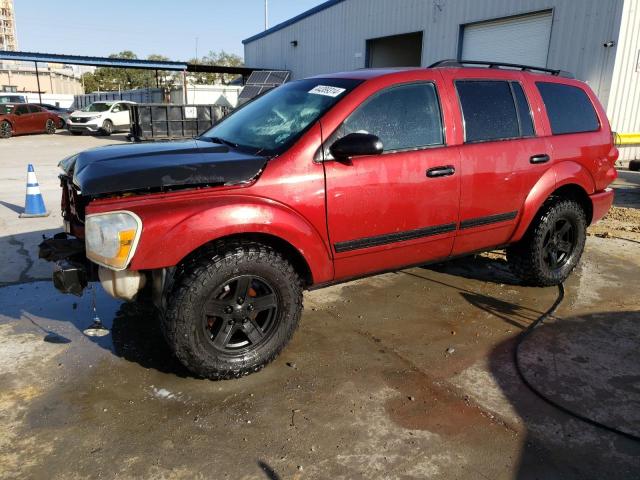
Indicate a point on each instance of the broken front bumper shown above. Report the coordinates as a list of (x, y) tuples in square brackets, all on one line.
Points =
[(69, 277), (72, 270)]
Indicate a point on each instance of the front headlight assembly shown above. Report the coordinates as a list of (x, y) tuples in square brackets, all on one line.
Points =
[(111, 238)]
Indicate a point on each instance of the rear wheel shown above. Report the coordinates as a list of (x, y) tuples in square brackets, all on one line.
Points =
[(50, 127), (6, 130), (107, 127), (232, 312), (552, 246)]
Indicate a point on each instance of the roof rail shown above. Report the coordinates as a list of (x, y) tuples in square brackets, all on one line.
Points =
[(524, 68)]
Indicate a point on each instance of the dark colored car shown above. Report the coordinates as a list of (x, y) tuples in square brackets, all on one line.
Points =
[(62, 113), (331, 178), (24, 118)]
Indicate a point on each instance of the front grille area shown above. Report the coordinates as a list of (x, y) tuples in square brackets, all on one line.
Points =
[(79, 119), (73, 205)]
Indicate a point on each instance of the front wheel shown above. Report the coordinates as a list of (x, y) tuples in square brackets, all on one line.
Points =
[(107, 128), (50, 127), (232, 312), (552, 246)]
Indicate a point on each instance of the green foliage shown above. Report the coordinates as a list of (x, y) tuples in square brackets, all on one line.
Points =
[(114, 79), (221, 58)]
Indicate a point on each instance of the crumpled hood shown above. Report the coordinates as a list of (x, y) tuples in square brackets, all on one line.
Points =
[(156, 165)]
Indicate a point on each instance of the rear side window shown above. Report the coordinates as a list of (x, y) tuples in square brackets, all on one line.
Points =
[(569, 108), (21, 110), (488, 109), (404, 117)]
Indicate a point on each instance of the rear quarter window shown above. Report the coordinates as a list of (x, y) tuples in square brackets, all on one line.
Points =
[(569, 108)]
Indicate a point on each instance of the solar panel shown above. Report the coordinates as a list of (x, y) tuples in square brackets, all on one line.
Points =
[(261, 81), (257, 78), (249, 91), (277, 78)]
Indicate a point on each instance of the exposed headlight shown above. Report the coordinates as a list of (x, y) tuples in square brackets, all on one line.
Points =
[(111, 238)]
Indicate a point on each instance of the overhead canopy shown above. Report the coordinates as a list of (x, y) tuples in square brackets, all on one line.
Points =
[(123, 63)]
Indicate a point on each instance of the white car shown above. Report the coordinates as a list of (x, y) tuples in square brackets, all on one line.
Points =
[(101, 117)]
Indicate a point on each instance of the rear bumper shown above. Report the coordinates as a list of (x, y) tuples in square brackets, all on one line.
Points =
[(601, 202)]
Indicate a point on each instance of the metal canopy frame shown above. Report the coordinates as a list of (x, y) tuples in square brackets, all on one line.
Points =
[(156, 65)]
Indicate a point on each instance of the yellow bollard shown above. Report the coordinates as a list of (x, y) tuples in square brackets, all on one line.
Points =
[(622, 139)]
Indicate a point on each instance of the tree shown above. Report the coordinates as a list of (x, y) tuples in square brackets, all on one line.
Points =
[(221, 58), (114, 79)]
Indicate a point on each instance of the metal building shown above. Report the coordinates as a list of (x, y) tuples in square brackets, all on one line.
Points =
[(597, 40)]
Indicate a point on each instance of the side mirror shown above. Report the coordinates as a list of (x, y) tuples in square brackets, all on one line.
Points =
[(356, 144)]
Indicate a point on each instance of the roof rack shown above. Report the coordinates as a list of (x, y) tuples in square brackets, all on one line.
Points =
[(524, 68)]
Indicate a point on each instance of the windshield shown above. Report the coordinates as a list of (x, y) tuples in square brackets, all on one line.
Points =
[(271, 123), (97, 107), (11, 99)]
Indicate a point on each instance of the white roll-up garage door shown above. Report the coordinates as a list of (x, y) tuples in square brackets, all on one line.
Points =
[(523, 40)]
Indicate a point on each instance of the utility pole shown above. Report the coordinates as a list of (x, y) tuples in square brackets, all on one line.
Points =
[(38, 80), (266, 14)]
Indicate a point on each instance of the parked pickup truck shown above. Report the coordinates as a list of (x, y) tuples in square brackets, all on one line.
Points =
[(327, 179)]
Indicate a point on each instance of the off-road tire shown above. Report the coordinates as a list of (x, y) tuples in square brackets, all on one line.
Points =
[(6, 130), (50, 127), (194, 284), (107, 128), (526, 258)]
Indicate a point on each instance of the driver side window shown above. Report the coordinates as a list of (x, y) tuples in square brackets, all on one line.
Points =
[(404, 117), (117, 108)]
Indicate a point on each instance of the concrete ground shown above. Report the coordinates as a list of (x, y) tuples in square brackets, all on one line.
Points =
[(403, 375)]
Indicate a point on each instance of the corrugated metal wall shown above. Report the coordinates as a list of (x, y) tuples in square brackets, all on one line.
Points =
[(335, 39), (624, 102)]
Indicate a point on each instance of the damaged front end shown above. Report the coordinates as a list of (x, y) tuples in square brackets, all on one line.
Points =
[(100, 246)]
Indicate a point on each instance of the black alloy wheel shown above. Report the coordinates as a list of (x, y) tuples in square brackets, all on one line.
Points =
[(232, 309), (241, 314), (559, 243), (552, 246)]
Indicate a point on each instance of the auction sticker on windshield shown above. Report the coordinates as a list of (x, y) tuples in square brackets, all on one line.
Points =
[(326, 90)]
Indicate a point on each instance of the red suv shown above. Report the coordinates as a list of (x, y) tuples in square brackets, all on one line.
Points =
[(330, 178)]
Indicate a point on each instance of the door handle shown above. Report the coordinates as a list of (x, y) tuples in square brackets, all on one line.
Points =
[(542, 158), (442, 171)]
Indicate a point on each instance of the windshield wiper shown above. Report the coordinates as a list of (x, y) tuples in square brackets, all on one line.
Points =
[(221, 141)]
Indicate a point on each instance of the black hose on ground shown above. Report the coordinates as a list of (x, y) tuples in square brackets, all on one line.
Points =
[(564, 409)]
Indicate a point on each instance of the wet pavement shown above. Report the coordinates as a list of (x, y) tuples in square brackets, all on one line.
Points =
[(399, 376), (402, 375)]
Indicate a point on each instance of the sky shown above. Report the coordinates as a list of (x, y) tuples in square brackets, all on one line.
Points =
[(166, 27)]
